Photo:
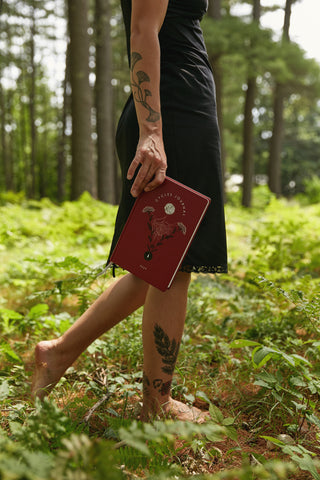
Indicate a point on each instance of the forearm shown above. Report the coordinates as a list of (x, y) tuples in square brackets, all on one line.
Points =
[(150, 162), (145, 80)]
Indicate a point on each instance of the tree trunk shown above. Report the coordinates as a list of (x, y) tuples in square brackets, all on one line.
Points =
[(62, 138), (83, 172), (287, 18), (5, 157), (248, 149), (214, 11), (106, 168), (23, 172), (274, 165), (32, 107), (43, 159)]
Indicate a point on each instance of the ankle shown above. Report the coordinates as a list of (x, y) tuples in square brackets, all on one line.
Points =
[(53, 353), (155, 407), (166, 406), (65, 355)]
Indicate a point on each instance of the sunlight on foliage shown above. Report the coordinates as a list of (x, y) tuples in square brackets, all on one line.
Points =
[(250, 352)]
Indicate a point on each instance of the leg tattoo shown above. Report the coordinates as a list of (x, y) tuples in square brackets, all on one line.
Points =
[(167, 349), (145, 385), (161, 386)]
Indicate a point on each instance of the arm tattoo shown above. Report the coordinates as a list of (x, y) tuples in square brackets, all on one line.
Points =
[(141, 94), (166, 348)]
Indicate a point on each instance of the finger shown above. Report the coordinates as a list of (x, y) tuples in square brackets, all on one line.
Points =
[(156, 181), (133, 167), (143, 177)]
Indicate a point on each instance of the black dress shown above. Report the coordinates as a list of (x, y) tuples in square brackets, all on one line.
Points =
[(190, 129)]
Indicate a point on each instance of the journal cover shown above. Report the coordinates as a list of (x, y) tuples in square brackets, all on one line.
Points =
[(159, 231)]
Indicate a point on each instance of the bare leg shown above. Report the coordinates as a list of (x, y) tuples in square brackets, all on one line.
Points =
[(163, 323), (53, 357)]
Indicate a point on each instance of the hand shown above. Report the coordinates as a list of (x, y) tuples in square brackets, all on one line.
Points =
[(151, 155)]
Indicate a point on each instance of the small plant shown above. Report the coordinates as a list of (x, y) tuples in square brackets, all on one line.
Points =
[(43, 428), (298, 454), (18, 462), (290, 381)]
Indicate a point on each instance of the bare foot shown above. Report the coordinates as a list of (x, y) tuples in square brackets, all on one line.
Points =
[(183, 412), (48, 368), (179, 411)]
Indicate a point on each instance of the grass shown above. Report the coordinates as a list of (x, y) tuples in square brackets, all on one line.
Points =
[(250, 352)]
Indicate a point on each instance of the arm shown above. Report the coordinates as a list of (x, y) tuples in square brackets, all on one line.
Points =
[(146, 20)]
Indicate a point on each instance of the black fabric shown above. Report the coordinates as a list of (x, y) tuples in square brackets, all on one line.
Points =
[(190, 129)]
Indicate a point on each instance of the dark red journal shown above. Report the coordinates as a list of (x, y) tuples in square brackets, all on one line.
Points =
[(159, 231)]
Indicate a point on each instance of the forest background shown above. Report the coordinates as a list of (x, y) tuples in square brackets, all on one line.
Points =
[(57, 131)]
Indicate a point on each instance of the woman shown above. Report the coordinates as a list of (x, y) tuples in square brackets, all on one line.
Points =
[(168, 125)]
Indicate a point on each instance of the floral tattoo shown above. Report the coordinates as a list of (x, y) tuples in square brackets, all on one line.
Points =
[(140, 93)]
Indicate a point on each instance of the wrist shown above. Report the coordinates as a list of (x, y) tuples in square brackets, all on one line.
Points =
[(150, 130)]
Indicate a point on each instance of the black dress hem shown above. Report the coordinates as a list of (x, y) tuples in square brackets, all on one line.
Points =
[(189, 269), (204, 269)]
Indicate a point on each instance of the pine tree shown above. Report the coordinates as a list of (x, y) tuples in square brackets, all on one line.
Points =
[(83, 171), (106, 168), (274, 166), (248, 150), (214, 12)]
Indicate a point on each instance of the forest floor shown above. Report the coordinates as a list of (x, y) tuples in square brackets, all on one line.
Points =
[(250, 353)]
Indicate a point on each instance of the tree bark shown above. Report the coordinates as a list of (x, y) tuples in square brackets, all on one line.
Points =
[(214, 11), (32, 106), (248, 148), (5, 157), (83, 171), (287, 19), (43, 159), (61, 190), (106, 168), (274, 165), (22, 174)]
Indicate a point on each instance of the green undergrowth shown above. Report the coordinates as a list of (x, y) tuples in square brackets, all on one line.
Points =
[(250, 352)]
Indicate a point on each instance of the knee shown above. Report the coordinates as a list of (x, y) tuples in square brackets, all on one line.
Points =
[(182, 278)]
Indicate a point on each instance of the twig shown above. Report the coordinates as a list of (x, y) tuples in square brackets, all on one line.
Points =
[(120, 444), (87, 417)]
